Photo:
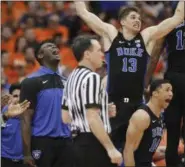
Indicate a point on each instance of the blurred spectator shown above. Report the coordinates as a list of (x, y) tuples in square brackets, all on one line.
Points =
[(19, 67), (69, 20), (30, 37), (7, 39), (8, 75), (31, 64), (151, 8), (28, 19), (20, 46), (67, 57), (4, 58)]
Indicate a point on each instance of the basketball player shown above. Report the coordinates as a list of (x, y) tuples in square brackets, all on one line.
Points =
[(127, 54), (145, 128), (176, 75)]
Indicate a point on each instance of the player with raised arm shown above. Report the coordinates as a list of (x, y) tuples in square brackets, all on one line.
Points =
[(127, 55)]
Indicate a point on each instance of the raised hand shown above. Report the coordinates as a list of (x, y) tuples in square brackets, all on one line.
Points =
[(17, 109)]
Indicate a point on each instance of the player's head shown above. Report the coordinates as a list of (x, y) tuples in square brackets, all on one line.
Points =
[(162, 91), (87, 48), (47, 52), (15, 92), (130, 18)]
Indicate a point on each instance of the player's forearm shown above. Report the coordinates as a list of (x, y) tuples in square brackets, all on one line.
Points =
[(169, 24), (66, 117), (128, 155), (98, 130), (179, 12), (80, 8), (26, 134)]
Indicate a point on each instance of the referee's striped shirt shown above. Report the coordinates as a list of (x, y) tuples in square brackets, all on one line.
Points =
[(84, 90)]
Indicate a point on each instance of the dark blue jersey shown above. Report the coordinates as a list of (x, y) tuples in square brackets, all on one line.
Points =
[(150, 140), (127, 62), (176, 49)]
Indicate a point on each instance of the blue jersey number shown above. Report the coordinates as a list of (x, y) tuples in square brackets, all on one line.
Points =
[(129, 64), (180, 42), (154, 145)]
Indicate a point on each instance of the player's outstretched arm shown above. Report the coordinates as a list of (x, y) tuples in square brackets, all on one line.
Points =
[(95, 23), (139, 122), (166, 26)]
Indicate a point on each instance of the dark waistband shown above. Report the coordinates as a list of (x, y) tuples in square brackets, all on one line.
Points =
[(86, 135), (51, 138), (18, 161), (126, 100)]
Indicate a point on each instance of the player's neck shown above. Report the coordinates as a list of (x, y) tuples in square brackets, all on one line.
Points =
[(86, 64), (127, 34), (154, 106), (53, 67)]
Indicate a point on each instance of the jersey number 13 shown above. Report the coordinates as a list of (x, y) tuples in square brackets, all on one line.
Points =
[(129, 64)]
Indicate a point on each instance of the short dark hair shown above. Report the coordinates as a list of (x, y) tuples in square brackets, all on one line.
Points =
[(82, 43), (156, 84), (38, 47), (14, 87), (125, 11)]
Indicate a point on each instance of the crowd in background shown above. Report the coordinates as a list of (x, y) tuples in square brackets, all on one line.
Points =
[(25, 24)]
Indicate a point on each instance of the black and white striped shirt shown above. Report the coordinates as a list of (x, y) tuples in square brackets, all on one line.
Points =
[(84, 90)]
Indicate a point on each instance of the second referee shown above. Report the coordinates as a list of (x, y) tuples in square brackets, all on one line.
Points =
[(85, 105)]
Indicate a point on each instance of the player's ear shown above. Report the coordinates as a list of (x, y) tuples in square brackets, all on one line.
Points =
[(155, 93), (122, 22)]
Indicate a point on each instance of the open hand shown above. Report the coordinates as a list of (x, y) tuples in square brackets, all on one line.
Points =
[(17, 109)]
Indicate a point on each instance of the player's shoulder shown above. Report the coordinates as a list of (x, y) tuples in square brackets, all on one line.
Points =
[(141, 118), (141, 114), (31, 79)]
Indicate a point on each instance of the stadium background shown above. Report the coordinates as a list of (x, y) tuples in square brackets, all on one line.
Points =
[(25, 24)]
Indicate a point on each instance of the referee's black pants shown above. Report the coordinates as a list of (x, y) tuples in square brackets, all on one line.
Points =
[(89, 152), (52, 152), (173, 118)]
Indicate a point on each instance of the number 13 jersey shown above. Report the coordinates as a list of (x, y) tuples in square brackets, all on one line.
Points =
[(127, 63)]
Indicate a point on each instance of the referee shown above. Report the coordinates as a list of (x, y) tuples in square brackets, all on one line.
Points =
[(85, 100)]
